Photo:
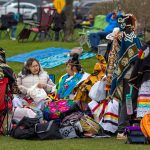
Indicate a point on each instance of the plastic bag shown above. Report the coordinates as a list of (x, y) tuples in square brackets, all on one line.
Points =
[(19, 113), (97, 91)]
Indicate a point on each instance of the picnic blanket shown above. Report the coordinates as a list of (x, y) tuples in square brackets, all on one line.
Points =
[(49, 57)]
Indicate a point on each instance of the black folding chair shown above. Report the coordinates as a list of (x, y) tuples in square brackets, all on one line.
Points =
[(4, 27)]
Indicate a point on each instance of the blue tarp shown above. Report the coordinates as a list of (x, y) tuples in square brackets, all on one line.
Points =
[(49, 57), (38, 54)]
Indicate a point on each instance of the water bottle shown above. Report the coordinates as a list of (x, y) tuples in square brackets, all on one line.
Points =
[(129, 102)]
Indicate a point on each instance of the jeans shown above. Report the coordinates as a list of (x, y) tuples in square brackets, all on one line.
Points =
[(13, 31), (95, 38), (57, 35)]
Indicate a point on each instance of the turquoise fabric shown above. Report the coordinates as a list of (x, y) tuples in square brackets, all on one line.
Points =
[(128, 44), (49, 57), (59, 59), (38, 54), (65, 86)]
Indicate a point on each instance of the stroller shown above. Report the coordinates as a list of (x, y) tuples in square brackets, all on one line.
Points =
[(5, 105)]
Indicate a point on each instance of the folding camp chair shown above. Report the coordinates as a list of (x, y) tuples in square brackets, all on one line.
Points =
[(40, 28), (52, 77), (24, 34), (99, 24), (4, 104), (4, 27)]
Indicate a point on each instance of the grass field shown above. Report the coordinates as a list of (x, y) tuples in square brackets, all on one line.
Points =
[(8, 143)]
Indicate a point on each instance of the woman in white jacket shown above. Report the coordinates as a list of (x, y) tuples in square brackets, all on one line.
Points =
[(31, 74)]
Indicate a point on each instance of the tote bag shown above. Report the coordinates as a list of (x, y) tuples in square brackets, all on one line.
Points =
[(97, 91)]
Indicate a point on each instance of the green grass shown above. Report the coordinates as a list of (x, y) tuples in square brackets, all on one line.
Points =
[(8, 143), (14, 48)]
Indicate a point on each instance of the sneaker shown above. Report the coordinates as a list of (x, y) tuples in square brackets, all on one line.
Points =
[(121, 136)]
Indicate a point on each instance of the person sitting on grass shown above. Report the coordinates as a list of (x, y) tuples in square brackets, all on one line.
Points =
[(74, 75), (31, 74), (82, 90)]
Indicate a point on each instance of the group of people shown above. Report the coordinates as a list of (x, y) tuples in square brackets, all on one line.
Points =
[(9, 22), (119, 79)]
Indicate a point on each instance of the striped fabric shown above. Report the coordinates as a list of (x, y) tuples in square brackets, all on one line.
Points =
[(107, 114), (110, 118), (143, 102)]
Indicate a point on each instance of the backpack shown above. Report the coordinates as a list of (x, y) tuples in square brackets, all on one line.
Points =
[(25, 129), (13, 19), (135, 135), (4, 22), (49, 130)]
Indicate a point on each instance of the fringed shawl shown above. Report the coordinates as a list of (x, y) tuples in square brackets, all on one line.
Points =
[(128, 53)]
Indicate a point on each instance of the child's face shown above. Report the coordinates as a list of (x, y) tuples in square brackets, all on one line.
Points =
[(69, 69)]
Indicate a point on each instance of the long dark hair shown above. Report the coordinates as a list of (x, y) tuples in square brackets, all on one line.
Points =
[(74, 62), (28, 63)]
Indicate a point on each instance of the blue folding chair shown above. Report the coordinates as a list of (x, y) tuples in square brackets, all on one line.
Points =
[(52, 77)]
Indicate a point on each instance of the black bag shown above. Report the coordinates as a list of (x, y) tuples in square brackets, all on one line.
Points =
[(24, 34), (135, 135), (25, 129), (49, 130), (12, 19), (4, 22)]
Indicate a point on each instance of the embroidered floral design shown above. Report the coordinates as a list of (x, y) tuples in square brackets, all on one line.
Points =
[(119, 71), (129, 37), (124, 61), (130, 52)]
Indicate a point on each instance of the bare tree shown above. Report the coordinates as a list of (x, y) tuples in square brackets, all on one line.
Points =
[(69, 24), (140, 8)]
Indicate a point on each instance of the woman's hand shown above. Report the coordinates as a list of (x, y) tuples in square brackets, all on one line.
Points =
[(41, 85)]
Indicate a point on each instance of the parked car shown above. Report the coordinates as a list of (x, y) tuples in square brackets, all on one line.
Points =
[(2, 2), (86, 6), (27, 10)]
